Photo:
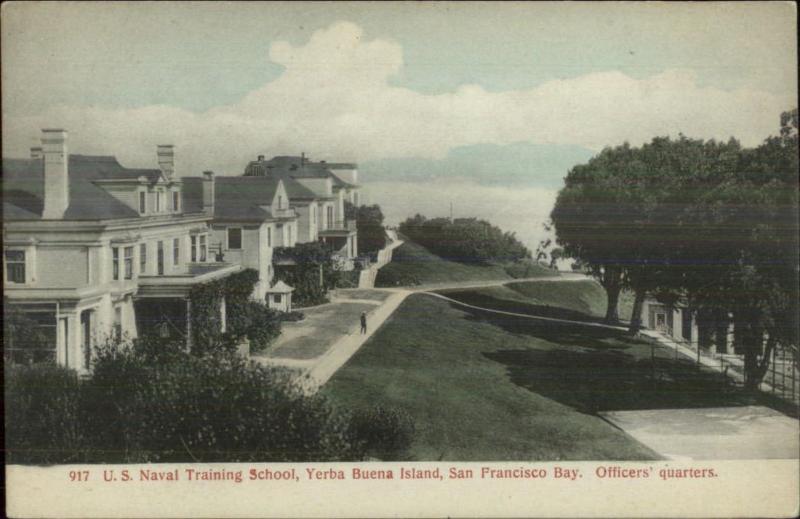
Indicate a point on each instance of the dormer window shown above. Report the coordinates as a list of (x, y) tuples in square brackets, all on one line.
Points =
[(158, 201), (142, 202), (176, 201), (280, 202)]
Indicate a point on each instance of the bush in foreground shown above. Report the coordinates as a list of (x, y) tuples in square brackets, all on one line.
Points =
[(381, 433), (142, 405), (43, 415)]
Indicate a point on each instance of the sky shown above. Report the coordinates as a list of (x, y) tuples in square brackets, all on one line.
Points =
[(485, 106)]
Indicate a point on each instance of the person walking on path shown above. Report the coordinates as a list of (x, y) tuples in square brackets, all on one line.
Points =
[(363, 322)]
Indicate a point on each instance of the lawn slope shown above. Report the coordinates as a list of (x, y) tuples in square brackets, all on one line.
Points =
[(574, 300), (483, 387), (412, 264)]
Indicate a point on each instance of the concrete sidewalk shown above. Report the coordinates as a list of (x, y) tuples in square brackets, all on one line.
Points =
[(314, 372), (719, 433)]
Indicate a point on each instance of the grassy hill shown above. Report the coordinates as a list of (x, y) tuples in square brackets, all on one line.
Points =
[(577, 300), (413, 264), (484, 387)]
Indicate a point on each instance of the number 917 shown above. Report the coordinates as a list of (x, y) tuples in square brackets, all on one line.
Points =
[(79, 475)]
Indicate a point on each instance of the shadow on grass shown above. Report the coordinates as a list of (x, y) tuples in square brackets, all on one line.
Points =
[(592, 381), (594, 369)]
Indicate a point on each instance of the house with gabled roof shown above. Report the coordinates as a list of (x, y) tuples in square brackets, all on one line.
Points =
[(93, 248), (332, 184), (251, 217)]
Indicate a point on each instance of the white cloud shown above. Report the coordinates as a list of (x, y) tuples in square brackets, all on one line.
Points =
[(334, 101)]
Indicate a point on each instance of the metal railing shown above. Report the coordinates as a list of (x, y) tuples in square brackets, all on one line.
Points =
[(341, 225), (782, 378)]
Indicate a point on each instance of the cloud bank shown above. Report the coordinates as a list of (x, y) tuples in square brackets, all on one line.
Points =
[(334, 100)]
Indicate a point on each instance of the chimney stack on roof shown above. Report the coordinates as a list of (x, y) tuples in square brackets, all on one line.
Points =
[(56, 173), (208, 192), (36, 152), (260, 158), (166, 159)]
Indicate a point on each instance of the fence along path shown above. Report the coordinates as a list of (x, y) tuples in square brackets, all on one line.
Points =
[(367, 277)]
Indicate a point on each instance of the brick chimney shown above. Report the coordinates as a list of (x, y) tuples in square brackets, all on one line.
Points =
[(36, 152), (56, 173), (166, 159), (208, 192)]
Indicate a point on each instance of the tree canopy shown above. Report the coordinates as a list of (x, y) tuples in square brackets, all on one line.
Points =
[(466, 240), (369, 220), (707, 223)]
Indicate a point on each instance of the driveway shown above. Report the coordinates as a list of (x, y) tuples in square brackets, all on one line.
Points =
[(718, 433)]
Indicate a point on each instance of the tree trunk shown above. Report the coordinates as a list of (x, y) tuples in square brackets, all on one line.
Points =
[(612, 282), (721, 322), (636, 317)]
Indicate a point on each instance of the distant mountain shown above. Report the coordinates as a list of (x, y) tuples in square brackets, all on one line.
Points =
[(535, 165)]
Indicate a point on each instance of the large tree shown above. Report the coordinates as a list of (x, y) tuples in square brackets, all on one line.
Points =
[(708, 223)]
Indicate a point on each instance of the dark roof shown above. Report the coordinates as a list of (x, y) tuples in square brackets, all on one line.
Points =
[(341, 165), (23, 183), (296, 167), (192, 191), (238, 198)]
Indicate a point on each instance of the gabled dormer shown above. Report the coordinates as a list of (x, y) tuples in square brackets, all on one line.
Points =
[(279, 206), (149, 192)]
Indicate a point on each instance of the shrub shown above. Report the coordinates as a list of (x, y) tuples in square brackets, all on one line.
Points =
[(146, 404), (213, 408), (263, 325), (292, 316), (390, 276), (43, 415), (381, 433)]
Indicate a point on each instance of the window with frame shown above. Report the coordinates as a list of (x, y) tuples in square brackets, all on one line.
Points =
[(277, 298), (235, 238), (176, 251), (330, 216), (193, 252), (159, 195), (15, 266), (142, 258), (128, 262), (176, 201), (115, 263), (142, 202), (203, 247)]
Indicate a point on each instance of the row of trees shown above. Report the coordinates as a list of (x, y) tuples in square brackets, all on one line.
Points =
[(466, 240), (709, 224)]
